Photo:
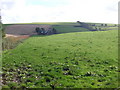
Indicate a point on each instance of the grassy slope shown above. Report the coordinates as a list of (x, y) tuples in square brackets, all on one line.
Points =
[(82, 59), (69, 28)]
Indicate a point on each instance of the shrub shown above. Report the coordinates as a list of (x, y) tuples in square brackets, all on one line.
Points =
[(54, 31), (38, 30), (101, 24), (105, 24), (2, 30), (99, 29), (42, 31)]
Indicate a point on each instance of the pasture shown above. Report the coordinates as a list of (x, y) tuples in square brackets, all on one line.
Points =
[(66, 60)]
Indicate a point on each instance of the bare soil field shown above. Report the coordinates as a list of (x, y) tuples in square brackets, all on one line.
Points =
[(22, 29)]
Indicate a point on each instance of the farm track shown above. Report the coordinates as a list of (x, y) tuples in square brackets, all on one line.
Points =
[(22, 29)]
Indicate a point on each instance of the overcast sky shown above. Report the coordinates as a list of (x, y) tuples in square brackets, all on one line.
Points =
[(23, 11)]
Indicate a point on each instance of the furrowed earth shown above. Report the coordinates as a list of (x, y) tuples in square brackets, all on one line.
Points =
[(73, 58)]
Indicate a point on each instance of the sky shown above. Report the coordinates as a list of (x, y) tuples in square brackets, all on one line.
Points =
[(27, 11)]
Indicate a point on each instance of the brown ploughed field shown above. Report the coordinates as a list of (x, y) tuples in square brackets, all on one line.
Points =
[(22, 29)]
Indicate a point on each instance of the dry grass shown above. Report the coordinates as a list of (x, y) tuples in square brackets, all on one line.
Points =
[(11, 41)]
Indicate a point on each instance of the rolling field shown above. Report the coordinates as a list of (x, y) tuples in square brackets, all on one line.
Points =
[(69, 60), (61, 27), (29, 28)]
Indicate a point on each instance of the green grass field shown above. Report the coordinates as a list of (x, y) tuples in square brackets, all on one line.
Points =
[(69, 60), (69, 28)]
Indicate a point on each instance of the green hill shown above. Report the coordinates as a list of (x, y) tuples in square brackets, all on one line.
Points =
[(71, 60)]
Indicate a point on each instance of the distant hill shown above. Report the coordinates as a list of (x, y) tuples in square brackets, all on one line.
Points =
[(60, 27)]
